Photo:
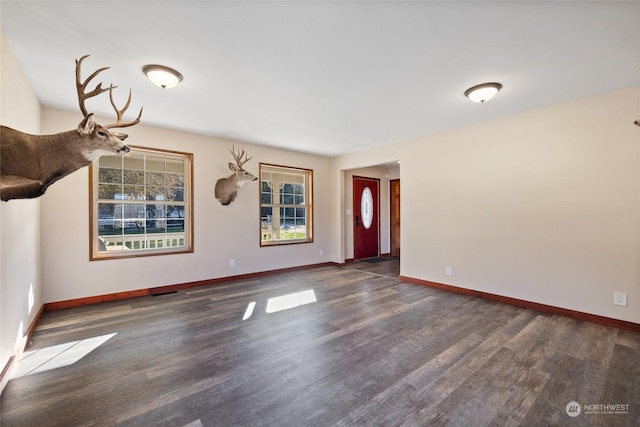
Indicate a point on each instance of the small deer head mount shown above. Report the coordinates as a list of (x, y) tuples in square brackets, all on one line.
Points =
[(31, 163), (227, 188)]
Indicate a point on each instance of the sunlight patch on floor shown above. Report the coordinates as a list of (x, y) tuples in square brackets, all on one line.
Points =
[(57, 356), (249, 311), (286, 302)]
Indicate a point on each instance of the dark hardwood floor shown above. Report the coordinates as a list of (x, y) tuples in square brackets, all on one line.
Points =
[(370, 351)]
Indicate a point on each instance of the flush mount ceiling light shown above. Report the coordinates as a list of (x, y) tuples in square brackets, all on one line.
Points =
[(162, 76), (483, 92)]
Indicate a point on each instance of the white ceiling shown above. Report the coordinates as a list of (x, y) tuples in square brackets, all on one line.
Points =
[(326, 77)]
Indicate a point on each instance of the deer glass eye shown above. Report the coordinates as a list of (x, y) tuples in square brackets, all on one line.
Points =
[(102, 133)]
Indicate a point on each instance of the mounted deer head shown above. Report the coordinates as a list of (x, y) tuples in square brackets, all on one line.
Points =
[(31, 163), (227, 188)]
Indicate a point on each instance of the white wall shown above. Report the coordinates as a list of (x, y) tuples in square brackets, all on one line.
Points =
[(542, 206), (221, 232), (20, 274)]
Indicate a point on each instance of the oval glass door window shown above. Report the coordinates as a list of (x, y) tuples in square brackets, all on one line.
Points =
[(366, 208)]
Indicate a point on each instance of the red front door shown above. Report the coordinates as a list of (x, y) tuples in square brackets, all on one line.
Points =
[(366, 213)]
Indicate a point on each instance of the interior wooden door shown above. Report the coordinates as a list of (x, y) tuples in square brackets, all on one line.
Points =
[(394, 218), (366, 217)]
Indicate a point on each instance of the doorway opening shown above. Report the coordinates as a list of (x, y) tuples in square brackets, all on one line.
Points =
[(394, 216)]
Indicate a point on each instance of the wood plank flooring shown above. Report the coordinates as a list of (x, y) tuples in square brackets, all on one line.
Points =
[(370, 351)]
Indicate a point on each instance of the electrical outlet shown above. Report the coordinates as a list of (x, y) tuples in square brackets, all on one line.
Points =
[(321, 252), (232, 262), (449, 270), (620, 298)]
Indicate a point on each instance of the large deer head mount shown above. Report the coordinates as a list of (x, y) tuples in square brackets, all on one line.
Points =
[(227, 188), (29, 164)]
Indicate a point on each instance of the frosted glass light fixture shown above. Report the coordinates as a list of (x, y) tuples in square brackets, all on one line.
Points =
[(162, 76), (483, 92)]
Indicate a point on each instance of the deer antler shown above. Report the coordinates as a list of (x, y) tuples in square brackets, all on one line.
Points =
[(238, 157), (82, 86), (82, 95), (119, 113)]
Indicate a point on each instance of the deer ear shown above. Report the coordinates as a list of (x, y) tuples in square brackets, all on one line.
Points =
[(233, 167), (87, 125)]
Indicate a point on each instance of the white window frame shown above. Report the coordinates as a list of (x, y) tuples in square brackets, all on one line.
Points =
[(116, 246), (272, 231)]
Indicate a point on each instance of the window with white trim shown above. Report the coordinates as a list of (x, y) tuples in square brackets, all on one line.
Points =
[(141, 204), (286, 208)]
